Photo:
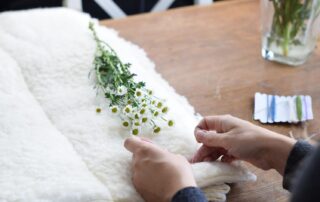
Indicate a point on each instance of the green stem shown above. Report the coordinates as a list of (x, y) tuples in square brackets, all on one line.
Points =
[(286, 39)]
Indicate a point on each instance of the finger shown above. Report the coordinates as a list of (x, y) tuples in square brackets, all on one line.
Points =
[(199, 131), (201, 154), (146, 139), (227, 159), (204, 152), (133, 143), (216, 123), (211, 138)]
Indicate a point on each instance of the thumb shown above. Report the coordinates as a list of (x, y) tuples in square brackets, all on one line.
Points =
[(210, 138), (133, 143)]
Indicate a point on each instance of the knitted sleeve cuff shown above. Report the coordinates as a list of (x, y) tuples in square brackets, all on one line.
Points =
[(298, 153), (189, 194)]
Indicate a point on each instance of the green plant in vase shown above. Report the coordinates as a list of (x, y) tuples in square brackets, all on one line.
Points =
[(290, 19)]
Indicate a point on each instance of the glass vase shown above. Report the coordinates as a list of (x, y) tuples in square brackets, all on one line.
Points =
[(290, 29)]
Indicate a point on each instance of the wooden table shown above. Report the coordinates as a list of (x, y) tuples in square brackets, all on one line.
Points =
[(212, 56)]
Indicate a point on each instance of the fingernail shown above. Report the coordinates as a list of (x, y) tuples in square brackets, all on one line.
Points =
[(146, 140), (201, 133)]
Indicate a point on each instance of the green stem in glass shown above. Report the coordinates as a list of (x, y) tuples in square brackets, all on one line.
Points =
[(289, 20)]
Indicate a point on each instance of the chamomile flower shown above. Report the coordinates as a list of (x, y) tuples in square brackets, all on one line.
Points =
[(156, 113), (138, 93), (159, 104), (114, 110), (156, 129), (137, 123), (153, 102), (170, 123), (122, 90), (136, 116), (165, 110), (135, 131), (142, 111), (144, 119), (127, 110), (125, 124)]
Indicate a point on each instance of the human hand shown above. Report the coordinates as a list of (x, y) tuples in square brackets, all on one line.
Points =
[(157, 173), (233, 138)]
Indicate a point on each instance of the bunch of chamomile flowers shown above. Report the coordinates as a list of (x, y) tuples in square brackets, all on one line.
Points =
[(131, 101)]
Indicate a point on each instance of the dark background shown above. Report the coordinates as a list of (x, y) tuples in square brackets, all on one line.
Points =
[(128, 6)]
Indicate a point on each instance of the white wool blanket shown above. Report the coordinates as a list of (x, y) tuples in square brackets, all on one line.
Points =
[(53, 144)]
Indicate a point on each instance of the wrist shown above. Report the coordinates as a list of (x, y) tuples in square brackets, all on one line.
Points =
[(279, 147)]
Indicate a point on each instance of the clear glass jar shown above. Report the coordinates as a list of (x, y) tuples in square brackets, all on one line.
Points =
[(290, 29)]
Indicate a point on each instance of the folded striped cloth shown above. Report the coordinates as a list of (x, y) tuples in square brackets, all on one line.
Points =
[(274, 108)]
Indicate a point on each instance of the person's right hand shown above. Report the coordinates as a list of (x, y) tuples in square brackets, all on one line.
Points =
[(157, 174), (233, 138)]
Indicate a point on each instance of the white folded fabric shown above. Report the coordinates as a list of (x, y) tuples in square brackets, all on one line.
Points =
[(54, 50), (37, 163)]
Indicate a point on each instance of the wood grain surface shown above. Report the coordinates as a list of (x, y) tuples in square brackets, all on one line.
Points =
[(212, 56)]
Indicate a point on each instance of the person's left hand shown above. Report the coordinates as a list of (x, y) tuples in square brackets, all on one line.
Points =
[(157, 173)]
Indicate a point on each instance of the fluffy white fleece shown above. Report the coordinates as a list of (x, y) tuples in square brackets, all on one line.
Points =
[(37, 163), (53, 52)]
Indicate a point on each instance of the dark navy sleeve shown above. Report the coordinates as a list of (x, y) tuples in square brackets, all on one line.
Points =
[(299, 152), (307, 182), (189, 194)]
